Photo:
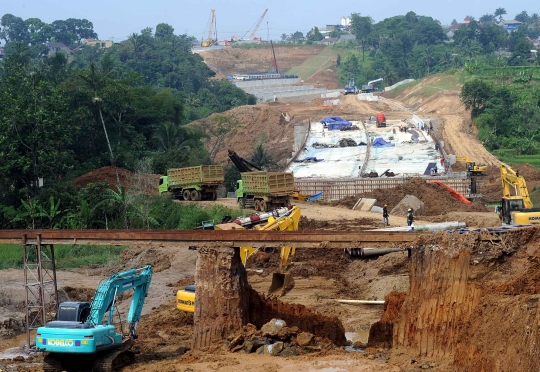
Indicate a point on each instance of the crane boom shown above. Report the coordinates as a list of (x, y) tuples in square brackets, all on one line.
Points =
[(256, 28), (212, 25)]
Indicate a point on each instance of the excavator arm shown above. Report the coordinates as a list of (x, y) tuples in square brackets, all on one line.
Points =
[(109, 289), (514, 185)]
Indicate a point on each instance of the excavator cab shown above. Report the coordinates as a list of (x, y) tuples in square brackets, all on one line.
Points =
[(509, 206)]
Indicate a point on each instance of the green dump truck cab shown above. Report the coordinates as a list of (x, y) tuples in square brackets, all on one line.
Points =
[(264, 191), (192, 183)]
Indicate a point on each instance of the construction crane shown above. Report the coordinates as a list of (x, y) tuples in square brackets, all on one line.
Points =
[(211, 27), (256, 28)]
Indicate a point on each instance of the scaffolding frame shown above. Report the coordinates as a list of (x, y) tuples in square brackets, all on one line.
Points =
[(41, 297)]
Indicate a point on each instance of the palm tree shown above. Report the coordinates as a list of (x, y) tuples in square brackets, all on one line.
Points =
[(262, 158), (95, 82), (170, 136), (499, 12), (118, 198), (427, 57)]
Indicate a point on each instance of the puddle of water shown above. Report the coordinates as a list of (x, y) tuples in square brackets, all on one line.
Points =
[(361, 336), (13, 353)]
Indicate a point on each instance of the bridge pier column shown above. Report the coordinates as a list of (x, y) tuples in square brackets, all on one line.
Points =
[(222, 302)]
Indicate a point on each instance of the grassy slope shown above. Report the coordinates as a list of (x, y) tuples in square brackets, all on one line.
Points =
[(310, 66), (67, 257)]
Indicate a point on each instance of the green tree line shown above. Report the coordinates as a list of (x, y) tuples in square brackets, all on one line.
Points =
[(413, 46), (64, 115)]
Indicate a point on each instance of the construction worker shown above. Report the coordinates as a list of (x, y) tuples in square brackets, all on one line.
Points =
[(385, 215), (323, 132), (410, 217)]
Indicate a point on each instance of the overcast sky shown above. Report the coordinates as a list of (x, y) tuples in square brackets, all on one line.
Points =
[(119, 18)]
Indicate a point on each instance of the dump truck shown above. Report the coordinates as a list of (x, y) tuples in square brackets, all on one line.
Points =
[(264, 191), (381, 120), (350, 88), (193, 183)]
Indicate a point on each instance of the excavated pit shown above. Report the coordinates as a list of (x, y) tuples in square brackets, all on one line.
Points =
[(473, 299), (226, 303)]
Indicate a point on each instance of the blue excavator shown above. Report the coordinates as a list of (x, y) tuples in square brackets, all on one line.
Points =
[(83, 337)]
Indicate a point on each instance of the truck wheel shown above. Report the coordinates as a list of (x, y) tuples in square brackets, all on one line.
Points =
[(256, 204), (214, 195), (263, 206), (195, 195), (186, 194)]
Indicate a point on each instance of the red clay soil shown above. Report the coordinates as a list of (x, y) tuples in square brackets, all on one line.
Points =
[(148, 182), (381, 332), (473, 298), (263, 309), (437, 199)]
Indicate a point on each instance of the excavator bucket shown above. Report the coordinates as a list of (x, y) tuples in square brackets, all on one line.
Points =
[(281, 284)]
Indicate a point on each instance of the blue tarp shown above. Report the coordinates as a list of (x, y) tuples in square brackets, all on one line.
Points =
[(331, 119), (315, 197), (337, 125), (379, 142)]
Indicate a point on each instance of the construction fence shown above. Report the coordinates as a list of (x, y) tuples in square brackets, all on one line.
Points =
[(338, 189)]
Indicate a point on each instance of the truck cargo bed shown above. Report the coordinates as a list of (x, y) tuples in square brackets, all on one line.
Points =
[(268, 183), (201, 175)]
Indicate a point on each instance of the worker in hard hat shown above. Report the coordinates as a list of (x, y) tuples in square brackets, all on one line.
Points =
[(385, 215), (410, 217)]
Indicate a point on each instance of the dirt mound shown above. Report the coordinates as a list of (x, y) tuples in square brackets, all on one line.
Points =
[(527, 171), (345, 225), (146, 183), (145, 254), (167, 334), (105, 174), (491, 188), (76, 294), (437, 199)]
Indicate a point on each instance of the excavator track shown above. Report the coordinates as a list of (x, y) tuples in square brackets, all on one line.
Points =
[(113, 361), (105, 361)]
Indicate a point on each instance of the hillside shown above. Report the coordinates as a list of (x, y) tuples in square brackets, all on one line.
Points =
[(240, 60)]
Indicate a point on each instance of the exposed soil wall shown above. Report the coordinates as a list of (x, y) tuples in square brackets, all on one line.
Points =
[(226, 302), (474, 298), (263, 309)]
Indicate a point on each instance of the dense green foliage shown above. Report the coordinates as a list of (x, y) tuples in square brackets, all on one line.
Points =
[(63, 116), (35, 32), (66, 257), (413, 46)]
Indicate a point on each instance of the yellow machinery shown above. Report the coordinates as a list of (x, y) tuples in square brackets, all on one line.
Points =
[(281, 281), (474, 168), (210, 40), (516, 206)]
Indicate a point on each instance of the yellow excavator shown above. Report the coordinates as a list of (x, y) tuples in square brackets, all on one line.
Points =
[(516, 207), (477, 169), (283, 219)]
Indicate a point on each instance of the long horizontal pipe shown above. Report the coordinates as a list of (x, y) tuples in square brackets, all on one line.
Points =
[(361, 302), (227, 238)]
